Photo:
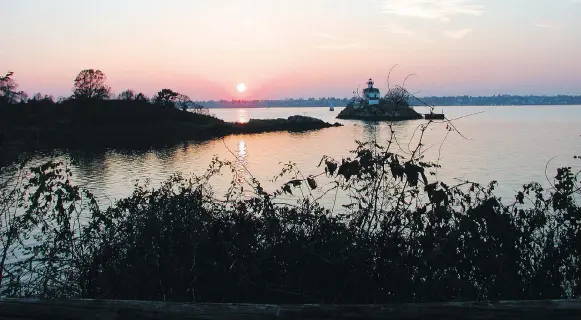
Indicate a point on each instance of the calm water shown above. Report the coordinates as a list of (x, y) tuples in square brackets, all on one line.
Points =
[(510, 144)]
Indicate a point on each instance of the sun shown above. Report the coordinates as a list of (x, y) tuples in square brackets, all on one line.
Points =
[(241, 87)]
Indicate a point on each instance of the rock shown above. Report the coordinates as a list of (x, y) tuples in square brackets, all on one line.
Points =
[(383, 111), (304, 123), (305, 120), (293, 123)]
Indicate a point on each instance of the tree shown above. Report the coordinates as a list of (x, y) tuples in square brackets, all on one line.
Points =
[(127, 95), (397, 96), (166, 97), (8, 93), (141, 97), (39, 98), (90, 84), (182, 102)]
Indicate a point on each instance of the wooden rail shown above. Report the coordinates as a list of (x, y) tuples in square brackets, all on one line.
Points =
[(11, 309)]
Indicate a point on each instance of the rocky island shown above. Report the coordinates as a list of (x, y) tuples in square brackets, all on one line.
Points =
[(392, 107)]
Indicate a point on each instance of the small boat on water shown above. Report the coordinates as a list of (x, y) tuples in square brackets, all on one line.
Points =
[(434, 116), (331, 108)]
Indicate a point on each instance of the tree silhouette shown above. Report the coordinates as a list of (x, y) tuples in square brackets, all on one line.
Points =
[(141, 97), (166, 97), (127, 95), (182, 101), (39, 98), (90, 84), (8, 93), (397, 96)]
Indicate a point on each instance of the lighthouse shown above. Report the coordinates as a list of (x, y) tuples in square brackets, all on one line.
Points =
[(370, 93)]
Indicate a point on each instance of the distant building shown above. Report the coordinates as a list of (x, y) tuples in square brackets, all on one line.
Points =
[(371, 94)]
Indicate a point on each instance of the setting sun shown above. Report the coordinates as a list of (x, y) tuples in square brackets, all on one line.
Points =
[(241, 87)]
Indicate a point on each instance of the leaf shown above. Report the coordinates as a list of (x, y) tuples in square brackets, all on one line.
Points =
[(331, 167), (295, 183), (348, 169), (397, 170), (520, 197), (412, 172), (312, 183), (430, 187), (286, 188)]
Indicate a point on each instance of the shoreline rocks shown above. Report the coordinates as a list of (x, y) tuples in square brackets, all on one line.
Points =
[(294, 123), (379, 112)]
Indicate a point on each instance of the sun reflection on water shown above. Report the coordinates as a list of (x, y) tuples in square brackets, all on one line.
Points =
[(242, 151), (241, 162), (242, 116)]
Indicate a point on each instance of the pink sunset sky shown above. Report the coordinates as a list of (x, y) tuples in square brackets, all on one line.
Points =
[(295, 48)]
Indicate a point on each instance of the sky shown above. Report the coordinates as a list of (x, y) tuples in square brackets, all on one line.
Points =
[(295, 48)]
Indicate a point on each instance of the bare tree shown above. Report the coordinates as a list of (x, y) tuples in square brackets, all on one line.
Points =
[(397, 96), (183, 101)]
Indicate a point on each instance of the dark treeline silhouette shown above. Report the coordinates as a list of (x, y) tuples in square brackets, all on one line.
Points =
[(89, 86), (91, 118)]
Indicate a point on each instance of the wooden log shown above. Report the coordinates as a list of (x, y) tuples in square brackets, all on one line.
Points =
[(12, 309)]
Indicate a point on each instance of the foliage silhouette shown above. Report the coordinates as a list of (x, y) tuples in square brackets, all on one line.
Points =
[(127, 95), (401, 238), (38, 98), (8, 93), (91, 84), (166, 97), (87, 120)]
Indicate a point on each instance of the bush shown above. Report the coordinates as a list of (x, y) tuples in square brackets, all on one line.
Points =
[(401, 239)]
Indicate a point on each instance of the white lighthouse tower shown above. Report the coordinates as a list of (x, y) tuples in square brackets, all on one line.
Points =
[(370, 93)]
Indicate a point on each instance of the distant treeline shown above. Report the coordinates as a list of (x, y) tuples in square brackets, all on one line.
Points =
[(290, 102), (496, 100)]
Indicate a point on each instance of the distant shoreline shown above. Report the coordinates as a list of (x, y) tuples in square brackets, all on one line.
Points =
[(436, 101), (439, 106)]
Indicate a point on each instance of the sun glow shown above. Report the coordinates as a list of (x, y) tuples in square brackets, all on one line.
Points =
[(241, 87)]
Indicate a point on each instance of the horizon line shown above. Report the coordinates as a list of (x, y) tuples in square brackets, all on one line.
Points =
[(431, 96)]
